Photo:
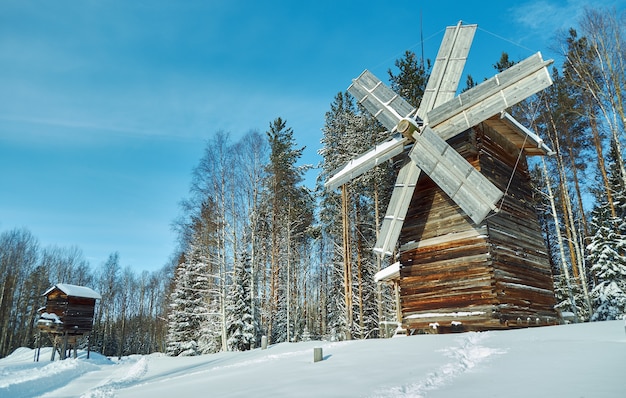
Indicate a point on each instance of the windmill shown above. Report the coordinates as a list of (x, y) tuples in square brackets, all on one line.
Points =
[(428, 130)]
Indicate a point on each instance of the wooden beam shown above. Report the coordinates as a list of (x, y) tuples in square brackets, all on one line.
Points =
[(397, 209), (384, 104), (356, 167), (448, 68)]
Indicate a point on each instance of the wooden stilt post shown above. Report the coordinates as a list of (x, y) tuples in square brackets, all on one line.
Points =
[(396, 287), (64, 350), (38, 347), (54, 348)]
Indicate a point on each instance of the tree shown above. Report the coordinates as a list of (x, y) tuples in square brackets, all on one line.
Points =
[(280, 192), (351, 220), (108, 283), (18, 257), (606, 254), (239, 307), (189, 308), (252, 156), (607, 250), (411, 79)]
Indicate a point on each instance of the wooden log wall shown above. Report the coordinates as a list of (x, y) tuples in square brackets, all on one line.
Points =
[(76, 313), (523, 277), (462, 276)]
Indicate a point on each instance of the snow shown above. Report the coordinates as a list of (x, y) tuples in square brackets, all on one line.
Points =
[(569, 360), (388, 273), (74, 291), (51, 317), (445, 314)]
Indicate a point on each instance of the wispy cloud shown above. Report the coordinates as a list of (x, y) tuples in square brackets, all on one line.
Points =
[(541, 16)]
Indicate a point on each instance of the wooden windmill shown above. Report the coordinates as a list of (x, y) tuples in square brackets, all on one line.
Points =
[(470, 256)]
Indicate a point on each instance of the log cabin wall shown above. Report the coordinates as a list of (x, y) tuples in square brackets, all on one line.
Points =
[(522, 273), (76, 313), (462, 276)]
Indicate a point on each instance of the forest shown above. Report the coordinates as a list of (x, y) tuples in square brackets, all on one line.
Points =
[(261, 254)]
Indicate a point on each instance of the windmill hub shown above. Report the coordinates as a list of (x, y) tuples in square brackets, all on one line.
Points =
[(407, 127)]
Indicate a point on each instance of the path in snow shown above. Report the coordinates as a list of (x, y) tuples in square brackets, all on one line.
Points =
[(467, 355), (123, 377), (30, 379)]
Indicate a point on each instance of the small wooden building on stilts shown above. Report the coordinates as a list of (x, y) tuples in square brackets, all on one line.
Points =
[(67, 316)]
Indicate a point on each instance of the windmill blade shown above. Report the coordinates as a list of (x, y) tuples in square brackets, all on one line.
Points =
[(379, 100), (465, 185), (446, 73), (441, 87), (491, 97), (397, 209), (379, 154)]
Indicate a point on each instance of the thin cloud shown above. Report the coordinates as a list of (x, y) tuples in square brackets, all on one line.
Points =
[(546, 17)]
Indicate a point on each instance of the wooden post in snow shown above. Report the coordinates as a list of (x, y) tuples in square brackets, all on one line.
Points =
[(318, 354)]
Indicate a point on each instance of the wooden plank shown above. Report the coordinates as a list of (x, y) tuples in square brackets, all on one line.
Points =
[(448, 68), (518, 134), (382, 102), (397, 208), (356, 167), (446, 239), (491, 97), (472, 191)]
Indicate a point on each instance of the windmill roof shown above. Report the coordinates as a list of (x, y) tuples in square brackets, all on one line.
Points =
[(74, 291), (519, 135)]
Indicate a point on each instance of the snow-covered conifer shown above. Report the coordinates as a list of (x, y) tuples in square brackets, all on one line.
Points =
[(189, 305), (240, 324), (607, 250)]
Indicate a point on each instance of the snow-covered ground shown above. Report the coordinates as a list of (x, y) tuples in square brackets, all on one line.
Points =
[(584, 360)]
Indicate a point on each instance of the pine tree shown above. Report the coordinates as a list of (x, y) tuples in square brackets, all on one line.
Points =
[(240, 323), (287, 218), (192, 329), (188, 310), (607, 250), (410, 82), (348, 132), (180, 335), (606, 254)]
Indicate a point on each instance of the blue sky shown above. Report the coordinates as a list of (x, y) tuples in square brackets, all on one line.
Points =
[(105, 106)]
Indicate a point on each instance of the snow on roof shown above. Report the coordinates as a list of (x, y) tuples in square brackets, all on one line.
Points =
[(389, 273), (74, 291)]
